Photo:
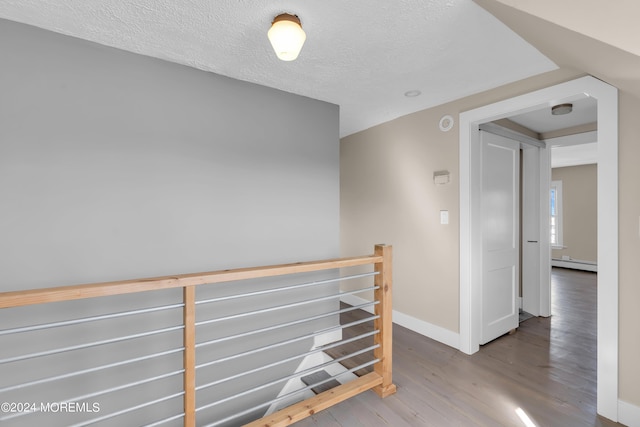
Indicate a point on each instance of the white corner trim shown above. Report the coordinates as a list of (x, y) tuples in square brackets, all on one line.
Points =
[(429, 330), (628, 414)]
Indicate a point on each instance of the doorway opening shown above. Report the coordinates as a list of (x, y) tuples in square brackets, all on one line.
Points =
[(471, 229)]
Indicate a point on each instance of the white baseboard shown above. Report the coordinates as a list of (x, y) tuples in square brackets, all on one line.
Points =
[(575, 264), (628, 414), (429, 330)]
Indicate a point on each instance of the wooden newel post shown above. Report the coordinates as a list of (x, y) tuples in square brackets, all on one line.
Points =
[(384, 281), (189, 358)]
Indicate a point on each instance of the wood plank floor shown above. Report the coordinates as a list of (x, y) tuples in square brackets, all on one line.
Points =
[(547, 368)]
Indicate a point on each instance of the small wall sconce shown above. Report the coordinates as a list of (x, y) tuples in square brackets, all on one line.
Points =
[(441, 177)]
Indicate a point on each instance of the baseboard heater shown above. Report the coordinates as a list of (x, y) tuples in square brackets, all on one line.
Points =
[(575, 264)]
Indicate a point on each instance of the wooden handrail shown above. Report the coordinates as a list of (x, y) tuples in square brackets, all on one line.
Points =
[(68, 293), (380, 380)]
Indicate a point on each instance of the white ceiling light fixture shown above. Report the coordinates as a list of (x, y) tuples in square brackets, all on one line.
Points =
[(561, 109), (286, 36)]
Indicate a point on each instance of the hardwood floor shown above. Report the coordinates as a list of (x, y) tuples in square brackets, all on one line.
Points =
[(547, 368)]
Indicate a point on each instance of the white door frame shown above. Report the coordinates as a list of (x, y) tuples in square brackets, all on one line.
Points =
[(607, 97), (536, 174)]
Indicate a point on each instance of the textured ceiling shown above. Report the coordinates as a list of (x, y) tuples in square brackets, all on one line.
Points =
[(362, 54)]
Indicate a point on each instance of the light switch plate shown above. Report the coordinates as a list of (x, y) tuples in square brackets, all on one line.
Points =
[(444, 217)]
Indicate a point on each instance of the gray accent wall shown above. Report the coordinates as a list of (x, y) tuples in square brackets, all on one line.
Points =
[(119, 166), (115, 166)]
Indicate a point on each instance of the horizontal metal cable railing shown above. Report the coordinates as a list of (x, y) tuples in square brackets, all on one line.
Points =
[(227, 349)]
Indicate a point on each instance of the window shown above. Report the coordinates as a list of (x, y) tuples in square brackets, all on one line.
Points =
[(556, 214)]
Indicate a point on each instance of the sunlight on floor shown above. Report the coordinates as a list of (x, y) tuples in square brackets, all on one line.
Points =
[(525, 418)]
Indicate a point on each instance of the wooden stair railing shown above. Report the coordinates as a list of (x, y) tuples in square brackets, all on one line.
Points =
[(380, 380)]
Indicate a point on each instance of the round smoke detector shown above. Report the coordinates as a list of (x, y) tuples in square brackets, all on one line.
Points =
[(446, 123)]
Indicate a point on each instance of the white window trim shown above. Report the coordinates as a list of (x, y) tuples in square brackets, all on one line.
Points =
[(558, 187)]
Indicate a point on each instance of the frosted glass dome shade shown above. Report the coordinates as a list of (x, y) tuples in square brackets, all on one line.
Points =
[(286, 36)]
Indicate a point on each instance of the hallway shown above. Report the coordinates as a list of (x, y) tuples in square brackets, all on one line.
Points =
[(547, 368)]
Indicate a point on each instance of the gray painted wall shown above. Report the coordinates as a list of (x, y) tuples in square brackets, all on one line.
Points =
[(118, 166), (114, 165)]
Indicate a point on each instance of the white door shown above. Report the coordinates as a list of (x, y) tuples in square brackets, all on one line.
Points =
[(500, 235)]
